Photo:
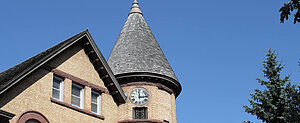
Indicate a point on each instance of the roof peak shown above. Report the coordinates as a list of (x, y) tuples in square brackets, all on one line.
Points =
[(135, 8)]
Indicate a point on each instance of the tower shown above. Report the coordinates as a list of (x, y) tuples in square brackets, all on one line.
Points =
[(143, 72)]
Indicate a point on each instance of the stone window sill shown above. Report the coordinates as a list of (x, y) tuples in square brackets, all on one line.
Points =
[(76, 108)]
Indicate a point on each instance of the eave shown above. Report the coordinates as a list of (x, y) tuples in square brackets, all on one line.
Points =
[(104, 70)]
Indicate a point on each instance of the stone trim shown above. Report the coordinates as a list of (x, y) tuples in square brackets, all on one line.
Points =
[(141, 120), (77, 80), (77, 109), (160, 86), (32, 115)]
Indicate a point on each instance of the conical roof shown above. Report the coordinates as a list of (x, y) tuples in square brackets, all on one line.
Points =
[(136, 49), (137, 57)]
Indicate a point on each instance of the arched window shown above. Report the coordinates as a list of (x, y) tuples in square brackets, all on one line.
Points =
[(32, 121), (32, 117)]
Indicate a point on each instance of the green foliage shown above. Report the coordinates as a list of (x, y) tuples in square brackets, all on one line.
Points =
[(279, 101), (287, 8)]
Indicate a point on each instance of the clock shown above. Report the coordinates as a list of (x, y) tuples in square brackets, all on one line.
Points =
[(139, 96)]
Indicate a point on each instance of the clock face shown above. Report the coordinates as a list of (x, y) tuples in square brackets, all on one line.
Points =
[(139, 96)]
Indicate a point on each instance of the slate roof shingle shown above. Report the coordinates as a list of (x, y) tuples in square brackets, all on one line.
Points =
[(136, 49)]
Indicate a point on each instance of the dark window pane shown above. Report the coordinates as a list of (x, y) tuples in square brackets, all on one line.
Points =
[(75, 101), (56, 83), (32, 121), (94, 98), (94, 108), (76, 91), (55, 94)]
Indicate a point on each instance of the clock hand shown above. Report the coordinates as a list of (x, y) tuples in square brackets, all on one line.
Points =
[(139, 96)]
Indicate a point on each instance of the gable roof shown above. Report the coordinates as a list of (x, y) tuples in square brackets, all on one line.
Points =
[(13, 75)]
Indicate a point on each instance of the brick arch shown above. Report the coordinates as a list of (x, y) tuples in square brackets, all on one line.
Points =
[(35, 115)]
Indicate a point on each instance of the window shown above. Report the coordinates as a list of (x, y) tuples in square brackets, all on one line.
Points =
[(140, 113), (95, 102), (32, 121), (57, 88), (77, 95)]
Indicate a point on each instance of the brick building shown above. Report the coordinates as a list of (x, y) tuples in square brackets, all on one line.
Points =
[(72, 82)]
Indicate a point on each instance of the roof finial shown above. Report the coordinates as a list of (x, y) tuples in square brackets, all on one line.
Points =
[(135, 8)]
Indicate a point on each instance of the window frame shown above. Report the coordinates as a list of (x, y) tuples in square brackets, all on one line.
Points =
[(81, 98), (98, 101), (61, 85)]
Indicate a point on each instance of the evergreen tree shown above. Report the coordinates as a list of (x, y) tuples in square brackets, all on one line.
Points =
[(279, 101)]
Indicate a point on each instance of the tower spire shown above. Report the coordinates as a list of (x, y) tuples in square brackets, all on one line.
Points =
[(137, 57), (135, 8)]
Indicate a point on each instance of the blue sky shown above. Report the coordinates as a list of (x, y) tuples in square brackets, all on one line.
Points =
[(216, 48)]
